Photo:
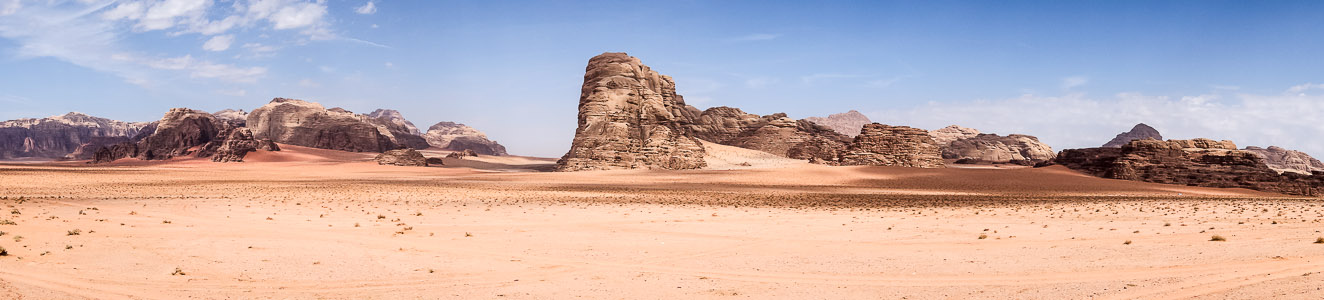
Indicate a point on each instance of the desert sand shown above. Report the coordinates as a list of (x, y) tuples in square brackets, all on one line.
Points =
[(318, 224)]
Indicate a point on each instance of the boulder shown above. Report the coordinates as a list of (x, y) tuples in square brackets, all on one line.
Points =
[(1200, 162), (1283, 160), (630, 117), (1139, 132), (462, 154), (309, 124), (402, 157), (847, 123), (883, 145)]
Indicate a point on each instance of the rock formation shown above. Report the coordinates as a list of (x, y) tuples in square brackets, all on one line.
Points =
[(1198, 162), (402, 131), (435, 161), (462, 154), (1283, 160), (60, 136), (630, 117), (456, 137), (883, 145), (402, 157), (847, 123), (952, 133), (1015, 148), (178, 132), (1139, 132), (231, 115), (775, 133), (308, 124)]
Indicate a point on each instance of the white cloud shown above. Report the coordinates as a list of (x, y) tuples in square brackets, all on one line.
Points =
[(206, 69), (1290, 119), (760, 82), (218, 43), (233, 93), (1305, 87), (367, 9), (756, 37), (9, 7), (308, 83), (390, 65), (1074, 81)]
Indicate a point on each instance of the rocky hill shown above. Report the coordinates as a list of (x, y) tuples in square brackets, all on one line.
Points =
[(309, 124), (883, 145), (61, 136), (1139, 132), (459, 137), (968, 145), (630, 117), (1283, 160), (402, 131), (775, 133), (1198, 162), (848, 123)]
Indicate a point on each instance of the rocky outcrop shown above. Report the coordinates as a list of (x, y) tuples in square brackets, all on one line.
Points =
[(233, 144), (462, 154), (630, 117), (952, 133), (402, 157), (883, 145), (402, 131), (847, 123), (309, 124), (775, 133), (232, 115), (457, 137), (178, 132), (1198, 162), (1015, 148), (1283, 160), (1139, 132), (60, 136), (435, 161)]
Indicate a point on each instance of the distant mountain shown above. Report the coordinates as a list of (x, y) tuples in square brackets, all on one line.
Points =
[(847, 123), (1139, 132), (1283, 160), (402, 131), (60, 136)]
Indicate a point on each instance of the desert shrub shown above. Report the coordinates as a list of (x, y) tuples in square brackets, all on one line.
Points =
[(1217, 238)]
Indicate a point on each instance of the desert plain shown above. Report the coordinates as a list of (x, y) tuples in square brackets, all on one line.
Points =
[(308, 223)]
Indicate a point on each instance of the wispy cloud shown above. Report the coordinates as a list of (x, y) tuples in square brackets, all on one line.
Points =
[(756, 37), (218, 43), (1074, 82), (367, 9)]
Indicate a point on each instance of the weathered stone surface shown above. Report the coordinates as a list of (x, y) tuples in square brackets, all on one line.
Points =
[(883, 145), (178, 132), (952, 133), (1200, 162), (435, 161), (308, 124), (775, 133), (630, 118), (456, 137), (59, 136), (231, 115), (402, 131), (1283, 160), (114, 152), (1015, 148), (90, 146), (847, 123), (1139, 132), (462, 154), (402, 157)]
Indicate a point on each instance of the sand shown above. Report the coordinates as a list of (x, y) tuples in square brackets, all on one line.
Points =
[(316, 224)]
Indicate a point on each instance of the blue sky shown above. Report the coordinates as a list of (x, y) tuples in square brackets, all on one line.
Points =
[(1073, 73)]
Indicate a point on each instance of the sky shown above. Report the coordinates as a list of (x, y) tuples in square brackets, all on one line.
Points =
[(1073, 73)]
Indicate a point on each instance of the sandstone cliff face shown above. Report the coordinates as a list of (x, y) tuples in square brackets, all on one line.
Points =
[(458, 137), (1283, 160), (630, 118), (60, 136), (1199, 162), (848, 123), (309, 124), (232, 115), (1139, 132), (178, 132), (952, 133), (775, 133), (1015, 148), (402, 131), (883, 145)]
